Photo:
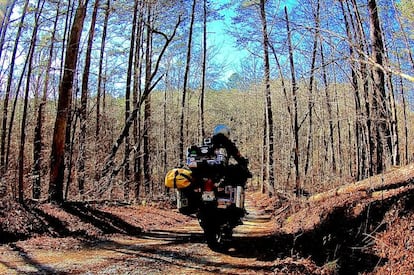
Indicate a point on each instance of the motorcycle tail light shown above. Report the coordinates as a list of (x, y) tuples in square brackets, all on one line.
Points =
[(209, 185)]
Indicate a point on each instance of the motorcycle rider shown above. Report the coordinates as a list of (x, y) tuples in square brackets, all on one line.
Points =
[(221, 139), (239, 172)]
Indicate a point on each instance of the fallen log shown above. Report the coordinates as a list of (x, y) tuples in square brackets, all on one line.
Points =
[(395, 178), (352, 199)]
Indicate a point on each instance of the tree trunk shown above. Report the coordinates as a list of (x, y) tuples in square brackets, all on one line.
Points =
[(165, 125), (4, 24), (186, 73), (265, 158), (38, 132), (83, 119), (284, 89), (268, 100), (310, 91), (362, 107), (128, 102), (393, 139), (329, 109), (393, 124), (338, 127), (379, 104), (57, 165), (149, 85), (68, 22), (26, 100), (136, 95), (295, 110), (405, 116), (71, 128), (3, 145), (101, 91), (100, 70), (204, 65), (147, 106)]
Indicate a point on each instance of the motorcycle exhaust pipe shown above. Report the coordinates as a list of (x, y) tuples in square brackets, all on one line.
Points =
[(239, 197)]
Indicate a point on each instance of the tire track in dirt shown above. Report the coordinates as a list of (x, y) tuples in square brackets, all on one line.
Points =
[(260, 246), (179, 250)]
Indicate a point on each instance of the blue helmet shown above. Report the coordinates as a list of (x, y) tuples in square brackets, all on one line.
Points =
[(222, 129)]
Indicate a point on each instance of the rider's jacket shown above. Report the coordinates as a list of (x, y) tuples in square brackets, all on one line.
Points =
[(221, 141)]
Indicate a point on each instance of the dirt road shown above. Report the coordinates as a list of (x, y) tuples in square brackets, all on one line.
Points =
[(351, 230), (178, 250)]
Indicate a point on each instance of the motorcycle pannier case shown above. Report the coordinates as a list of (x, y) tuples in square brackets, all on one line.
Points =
[(187, 201), (178, 178), (181, 179)]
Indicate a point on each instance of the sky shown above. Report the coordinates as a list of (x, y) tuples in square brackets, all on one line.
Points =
[(217, 35)]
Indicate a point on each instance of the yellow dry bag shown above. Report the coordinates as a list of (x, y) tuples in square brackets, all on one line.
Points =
[(178, 178)]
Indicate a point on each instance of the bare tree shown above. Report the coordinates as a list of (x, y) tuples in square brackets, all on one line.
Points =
[(203, 75), (405, 115), (137, 93), (5, 19), (359, 77), (101, 77), (309, 147), (381, 145), (393, 140), (150, 82), (3, 145), (30, 55), (295, 109), (57, 165), (268, 100), (329, 109), (186, 75), (147, 104), (100, 93), (83, 119), (38, 132), (128, 85)]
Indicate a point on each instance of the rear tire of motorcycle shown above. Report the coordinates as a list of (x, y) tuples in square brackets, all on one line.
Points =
[(215, 240)]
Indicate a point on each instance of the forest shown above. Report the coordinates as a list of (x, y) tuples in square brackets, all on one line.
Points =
[(100, 98)]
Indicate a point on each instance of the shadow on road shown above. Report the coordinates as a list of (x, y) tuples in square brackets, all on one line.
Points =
[(342, 237), (40, 268), (176, 237), (105, 221)]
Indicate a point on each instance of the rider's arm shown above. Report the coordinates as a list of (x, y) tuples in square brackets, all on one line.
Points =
[(230, 147)]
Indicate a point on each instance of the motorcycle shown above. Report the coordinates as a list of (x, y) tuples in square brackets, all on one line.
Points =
[(216, 193)]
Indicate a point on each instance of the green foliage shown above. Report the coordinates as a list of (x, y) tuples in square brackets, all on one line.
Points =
[(249, 3), (407, 10)]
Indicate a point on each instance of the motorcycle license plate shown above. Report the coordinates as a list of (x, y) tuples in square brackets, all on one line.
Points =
[(208, 196)]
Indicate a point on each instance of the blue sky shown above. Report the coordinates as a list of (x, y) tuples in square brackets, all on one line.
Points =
[(217, 35)]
